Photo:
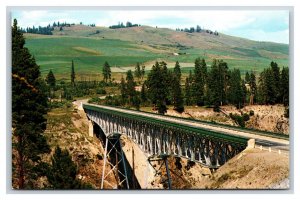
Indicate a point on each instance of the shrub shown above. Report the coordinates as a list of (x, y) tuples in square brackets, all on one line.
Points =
[(246, 117), (94, 100), (100, 91), (286, 112)]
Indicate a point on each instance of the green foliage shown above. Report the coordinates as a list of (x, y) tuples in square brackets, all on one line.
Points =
[(271, 88), (113, 101), (238, 119), (72, 74), (157, 84), (95, 100), (138, 72), (100, 91), (106, 72), (235, 91), (199, 81), (130, 86), (29, 106), (188, 82), (284, 86), (287, 112), (144, 98), (246, 117), (253, 88), (50, 79), (217, 82), (62, 171), (176, 89), (247, 77)]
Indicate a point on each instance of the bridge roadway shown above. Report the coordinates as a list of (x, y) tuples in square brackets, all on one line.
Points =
[(260, 140)]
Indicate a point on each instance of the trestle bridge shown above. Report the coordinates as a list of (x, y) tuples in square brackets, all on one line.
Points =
[(159, 136)]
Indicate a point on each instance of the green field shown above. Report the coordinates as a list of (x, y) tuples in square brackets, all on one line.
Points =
[(123, 48)]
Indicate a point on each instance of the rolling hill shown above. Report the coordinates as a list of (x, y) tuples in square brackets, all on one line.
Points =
[(90, 47)]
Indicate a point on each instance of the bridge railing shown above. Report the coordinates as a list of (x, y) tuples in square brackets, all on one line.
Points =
[(186, 128), (244, 129)]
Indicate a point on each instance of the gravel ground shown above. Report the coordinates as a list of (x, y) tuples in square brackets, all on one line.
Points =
[(284, 184)]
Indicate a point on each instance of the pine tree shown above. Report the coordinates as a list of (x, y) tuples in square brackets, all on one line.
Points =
[(130, 86), (29, 106), (137, 72), (285, 86), (106, 72), (267, 88), (157, 84), (244, 92), (247, 77), (62, 172), (253, 88), (176, 87), (188, 89), (72, 74), (143, 72), (143, 94), (200, 75), (235, 91), (50, 79), (217, 82), (177, 71), (123, 90), (276, 81)]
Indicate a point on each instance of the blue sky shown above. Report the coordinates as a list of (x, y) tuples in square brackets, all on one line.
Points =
[(268, 25)]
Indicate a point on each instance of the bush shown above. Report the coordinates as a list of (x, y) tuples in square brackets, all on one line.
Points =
[(94, 100), (246, 117), (100, 91), (238, 119), (286, 112), (216, 108)]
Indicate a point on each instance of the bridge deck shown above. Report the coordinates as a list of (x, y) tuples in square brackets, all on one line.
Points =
[(264, 140)]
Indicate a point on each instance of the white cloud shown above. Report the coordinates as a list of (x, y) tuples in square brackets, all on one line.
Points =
[(227, 21)]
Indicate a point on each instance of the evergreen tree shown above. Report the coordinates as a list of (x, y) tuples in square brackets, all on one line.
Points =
[(177, 71), (123, 90), (72, 74), (244, 92), (50, 79), (29, 106), (253, 88), (247, 77), (217, 82), (176, 87), (137, 72), (200, 75), (188, 89), (276, 81), (143, 72), (62, 172), (130, 86), (285, 86), (158, 87), (106, 72), (143, 94), (235, 91), (267, 90)]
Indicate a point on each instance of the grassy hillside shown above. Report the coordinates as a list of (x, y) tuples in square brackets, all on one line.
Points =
[(90, 47)]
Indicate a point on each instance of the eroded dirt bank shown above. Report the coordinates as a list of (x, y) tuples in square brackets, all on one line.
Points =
[(251, 169), (254, 169), (266, 118)]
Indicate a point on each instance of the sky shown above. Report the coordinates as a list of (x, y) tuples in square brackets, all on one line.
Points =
[(259, 25)]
